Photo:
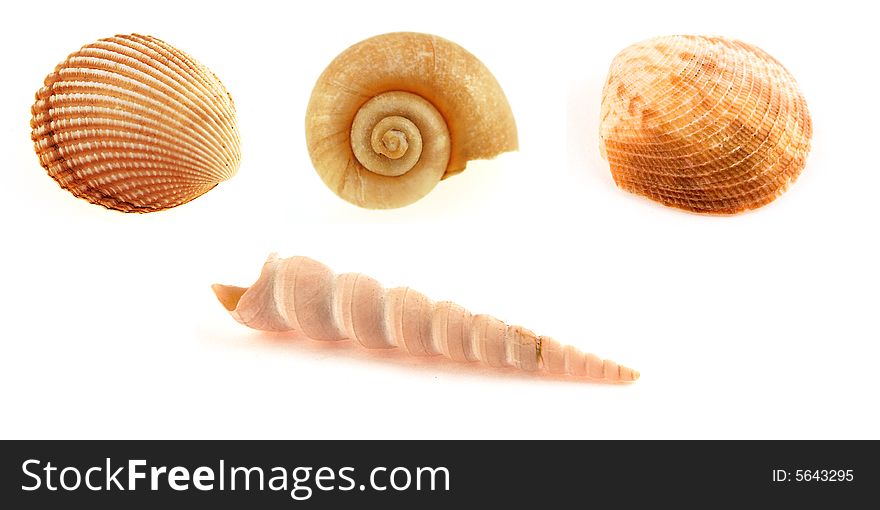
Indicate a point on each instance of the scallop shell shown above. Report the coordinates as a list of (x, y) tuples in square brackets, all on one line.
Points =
[(393, 115), (133, 124), (706, 124)]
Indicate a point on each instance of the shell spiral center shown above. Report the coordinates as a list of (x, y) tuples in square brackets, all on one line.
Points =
[(393, 143), (390, 130)]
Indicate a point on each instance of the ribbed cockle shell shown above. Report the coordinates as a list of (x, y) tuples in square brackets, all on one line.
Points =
[(133, 124), (706, 124)]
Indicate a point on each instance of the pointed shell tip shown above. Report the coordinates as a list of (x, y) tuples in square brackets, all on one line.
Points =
[(228, 295)]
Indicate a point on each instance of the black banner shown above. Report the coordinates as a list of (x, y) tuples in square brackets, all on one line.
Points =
[(407, 474)]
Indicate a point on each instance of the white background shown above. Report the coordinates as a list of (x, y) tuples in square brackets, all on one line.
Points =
[(762, 325)]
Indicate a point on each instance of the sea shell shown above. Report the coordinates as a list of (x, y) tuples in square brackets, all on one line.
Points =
[(133, 124), (706, 124), (303, 295), (393, 115)]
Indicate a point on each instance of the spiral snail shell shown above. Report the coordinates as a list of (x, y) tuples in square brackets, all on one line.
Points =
[(393, 115), (303, 295), (133, 124), (706, 124)]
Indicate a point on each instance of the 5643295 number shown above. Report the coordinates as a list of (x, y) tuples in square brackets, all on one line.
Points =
[(823, 475)]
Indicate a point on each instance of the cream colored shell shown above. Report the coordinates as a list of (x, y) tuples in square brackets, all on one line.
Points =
[(133, 124), (706, 124), (300, 294), (393, 115)]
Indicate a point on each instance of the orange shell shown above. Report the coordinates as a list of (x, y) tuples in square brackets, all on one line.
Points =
[(706, 124), (448, 95), (133, 124)]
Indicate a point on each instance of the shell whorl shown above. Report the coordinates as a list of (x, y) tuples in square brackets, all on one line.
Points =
[(133, 124), (393, 115), (300, 294), (706, 124), (402, 140)]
